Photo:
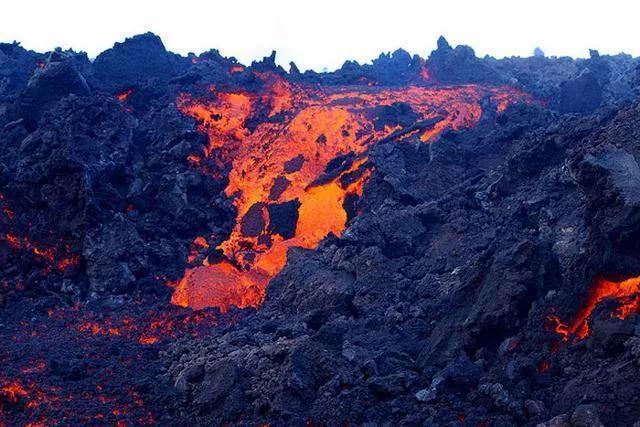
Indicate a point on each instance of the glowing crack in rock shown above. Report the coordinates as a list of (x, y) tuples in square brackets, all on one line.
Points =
[(626, 293)]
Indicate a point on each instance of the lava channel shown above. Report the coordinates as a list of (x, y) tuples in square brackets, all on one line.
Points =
[(291, 174)]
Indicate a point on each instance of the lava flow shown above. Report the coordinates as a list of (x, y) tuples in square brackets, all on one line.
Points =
[(291, 173), (626, 293)]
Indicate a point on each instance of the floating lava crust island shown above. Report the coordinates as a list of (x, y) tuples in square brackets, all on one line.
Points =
[(447, 240)]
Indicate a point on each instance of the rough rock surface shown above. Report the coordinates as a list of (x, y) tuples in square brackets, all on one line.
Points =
[(433, 305), (430, 309), (135, 61)]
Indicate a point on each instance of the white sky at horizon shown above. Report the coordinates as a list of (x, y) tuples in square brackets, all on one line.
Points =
[(323, 34)]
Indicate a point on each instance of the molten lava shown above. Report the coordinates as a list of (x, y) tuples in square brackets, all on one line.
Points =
[(123, 98), (13, 391), (124, 95), (626, 293), (295, 154)]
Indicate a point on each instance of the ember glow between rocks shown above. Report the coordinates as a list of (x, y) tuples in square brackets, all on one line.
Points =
[(101, 395), (59, 257)]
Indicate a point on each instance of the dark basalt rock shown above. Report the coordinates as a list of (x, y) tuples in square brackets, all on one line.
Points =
[(59, 78), (134, 61), (580, 95), (454, 66), (221, 388), (107, 180), (397, 68), (17, 65), (283, 218), (115, 256), (613, 176)]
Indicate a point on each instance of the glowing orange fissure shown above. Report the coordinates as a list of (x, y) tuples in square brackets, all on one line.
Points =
[(626, 293), (13, 391), (280, 161)]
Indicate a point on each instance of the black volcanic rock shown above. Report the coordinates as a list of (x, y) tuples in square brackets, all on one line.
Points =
[(69, 164), (115, 256), (268, 64), (16, 67), (580, 95), (135, 61), (59, 78), (107, 179), (459, 65), (396, 68)]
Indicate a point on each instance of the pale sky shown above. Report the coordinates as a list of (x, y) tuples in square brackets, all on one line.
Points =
[(325, 33)]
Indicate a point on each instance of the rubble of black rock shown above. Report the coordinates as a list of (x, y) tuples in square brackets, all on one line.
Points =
[(429, 309)]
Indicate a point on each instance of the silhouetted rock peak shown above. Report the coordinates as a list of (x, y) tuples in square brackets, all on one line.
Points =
[(459, 65), (148, 40), (443, 44), (293, 68), (132, 61), (268, 63)]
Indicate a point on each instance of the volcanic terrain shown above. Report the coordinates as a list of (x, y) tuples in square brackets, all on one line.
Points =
[(448, 240)]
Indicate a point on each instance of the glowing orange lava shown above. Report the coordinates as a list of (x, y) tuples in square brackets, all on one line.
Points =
[(424, 71), (543, 366), (30, 396), (13, 391), (291, 173), (29, 392), (6, 209), (123, 98), (124, 95), (626, 293)]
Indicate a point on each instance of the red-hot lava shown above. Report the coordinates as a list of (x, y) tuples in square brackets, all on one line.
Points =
[(283, 176), (124, 95), (123, 98), (56, 257), (626, 293)]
